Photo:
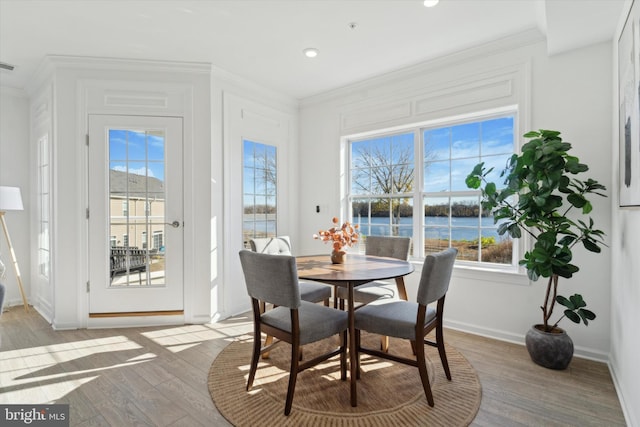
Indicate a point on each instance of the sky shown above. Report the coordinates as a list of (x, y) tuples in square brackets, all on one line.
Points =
[(137, 152)]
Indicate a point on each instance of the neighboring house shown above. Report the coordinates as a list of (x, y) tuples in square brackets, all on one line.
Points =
[(134, 200)]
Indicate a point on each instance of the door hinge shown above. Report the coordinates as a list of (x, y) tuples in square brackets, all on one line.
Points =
[(86, 140), (87, 213), (88, 286)]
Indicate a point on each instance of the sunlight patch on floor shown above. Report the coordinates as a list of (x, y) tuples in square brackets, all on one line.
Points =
[(45, 373), (181, 338)]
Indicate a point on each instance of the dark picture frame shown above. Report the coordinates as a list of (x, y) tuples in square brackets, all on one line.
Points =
[(629, 108)]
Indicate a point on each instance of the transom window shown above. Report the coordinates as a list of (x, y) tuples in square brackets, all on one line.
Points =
[(412, 183)]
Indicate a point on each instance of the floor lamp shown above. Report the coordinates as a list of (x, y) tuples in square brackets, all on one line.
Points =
[(11, 200)]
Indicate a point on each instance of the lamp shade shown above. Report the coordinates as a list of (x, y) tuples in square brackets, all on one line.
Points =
[(10, 199)]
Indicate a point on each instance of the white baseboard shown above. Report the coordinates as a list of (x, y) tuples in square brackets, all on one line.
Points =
[(200, 319), (626, 407), (45, 309), (578, 351), (134, 321)]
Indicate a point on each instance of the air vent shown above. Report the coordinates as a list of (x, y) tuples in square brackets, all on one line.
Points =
[(5, 66)]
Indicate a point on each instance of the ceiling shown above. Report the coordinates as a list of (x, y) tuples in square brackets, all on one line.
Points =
[(263, 40)]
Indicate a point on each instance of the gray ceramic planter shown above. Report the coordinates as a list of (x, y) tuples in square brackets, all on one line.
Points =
[(552, 350)]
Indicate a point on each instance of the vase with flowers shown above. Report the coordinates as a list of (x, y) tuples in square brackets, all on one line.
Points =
[(339, 237)]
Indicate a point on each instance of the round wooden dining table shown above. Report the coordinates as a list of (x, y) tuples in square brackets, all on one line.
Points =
[(357, 269)]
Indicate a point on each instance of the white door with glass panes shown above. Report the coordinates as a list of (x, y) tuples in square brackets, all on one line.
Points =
[(135, 214)]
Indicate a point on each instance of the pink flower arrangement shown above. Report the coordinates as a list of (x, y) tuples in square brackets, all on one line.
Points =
[(345, 235)]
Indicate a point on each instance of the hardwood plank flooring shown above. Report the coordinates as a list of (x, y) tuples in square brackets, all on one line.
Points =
[(157, 376)]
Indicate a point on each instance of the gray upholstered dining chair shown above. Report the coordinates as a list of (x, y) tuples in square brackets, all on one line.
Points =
[(384, 246), (412, 320), (274, 278), (281, 245)]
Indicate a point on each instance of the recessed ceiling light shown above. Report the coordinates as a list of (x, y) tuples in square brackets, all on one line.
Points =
[(310, 52), (430, 3)]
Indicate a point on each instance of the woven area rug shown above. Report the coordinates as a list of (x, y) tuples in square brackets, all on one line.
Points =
[(388, 393)]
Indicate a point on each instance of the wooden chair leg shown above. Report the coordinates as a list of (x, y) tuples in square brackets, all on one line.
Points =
[(326, 302), (358, 337), (343, 356), (443, 354), (257, 341), (384, 344), (424, 374), (267, 342), (293, 376)]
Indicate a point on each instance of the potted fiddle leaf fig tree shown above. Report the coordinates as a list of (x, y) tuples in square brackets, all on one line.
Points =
[(544, 197)]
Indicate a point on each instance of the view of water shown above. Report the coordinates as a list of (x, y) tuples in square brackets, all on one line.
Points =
[(436, 227)]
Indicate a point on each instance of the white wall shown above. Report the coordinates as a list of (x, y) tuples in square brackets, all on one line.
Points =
[(625, 316), (14, 150), (243, 110), (568, 92), (625, 277), (69, 79), (218, 291)]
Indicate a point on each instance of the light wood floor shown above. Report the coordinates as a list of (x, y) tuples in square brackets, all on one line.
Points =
[(158, 376)]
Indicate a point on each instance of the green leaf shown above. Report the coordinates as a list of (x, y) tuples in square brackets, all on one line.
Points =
[(566, 240), (473, 181), (591, 246), (563, 301), (577, 301), (588, 314), (571, 315), (566, 271), (502, 228), (514, 231), (577, 200), (490, 189)]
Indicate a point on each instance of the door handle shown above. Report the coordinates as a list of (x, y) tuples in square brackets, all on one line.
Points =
[(174, 224)]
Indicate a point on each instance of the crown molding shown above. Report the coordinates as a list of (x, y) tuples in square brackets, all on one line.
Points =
[(125, 64), (257, 91), (51, 63), (524, 38)]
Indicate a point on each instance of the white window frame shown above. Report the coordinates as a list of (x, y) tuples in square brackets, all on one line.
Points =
[(158, 240), (419, 194), (44, 205), (275, 196)]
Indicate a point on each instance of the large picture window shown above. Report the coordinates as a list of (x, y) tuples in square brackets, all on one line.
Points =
[(412, 183)]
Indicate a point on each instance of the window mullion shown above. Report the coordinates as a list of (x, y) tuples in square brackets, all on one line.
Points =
[(418, 201)]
